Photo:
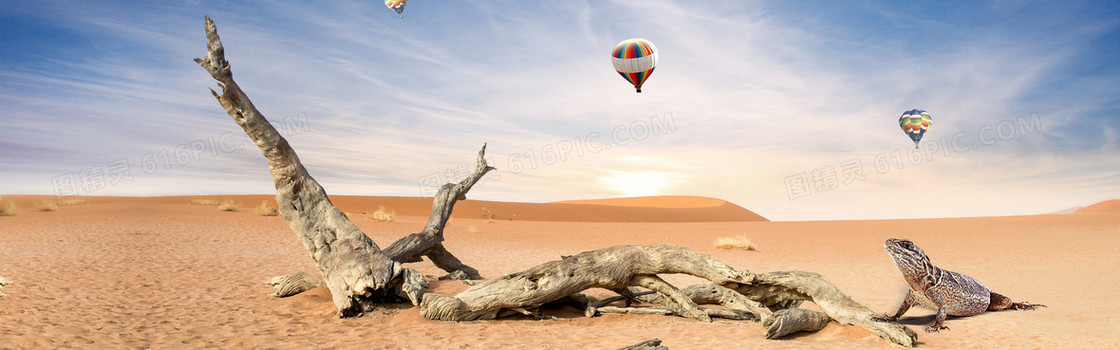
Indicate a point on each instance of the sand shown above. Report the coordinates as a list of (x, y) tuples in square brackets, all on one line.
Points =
[(159, 273)]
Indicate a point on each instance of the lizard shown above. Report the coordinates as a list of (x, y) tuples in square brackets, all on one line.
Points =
[(948, 292)]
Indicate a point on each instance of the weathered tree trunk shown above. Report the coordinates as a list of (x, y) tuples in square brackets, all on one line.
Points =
[(703, 294), (773, 296), (793, 320), (359, 274), (289, 285), (352, 266), (409, 249), (787, 289), (610, 268)]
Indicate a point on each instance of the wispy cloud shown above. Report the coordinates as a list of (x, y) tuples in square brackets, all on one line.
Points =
[(757, 93)]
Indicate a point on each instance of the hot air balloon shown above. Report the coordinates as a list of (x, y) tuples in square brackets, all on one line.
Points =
[(396, 5), (635, 59), (914, 123)]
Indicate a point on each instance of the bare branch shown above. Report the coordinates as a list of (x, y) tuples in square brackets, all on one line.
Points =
[(352, 266)]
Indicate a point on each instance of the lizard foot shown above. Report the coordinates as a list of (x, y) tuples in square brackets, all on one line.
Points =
[(1026, 305), (936, 328), (884, 318)]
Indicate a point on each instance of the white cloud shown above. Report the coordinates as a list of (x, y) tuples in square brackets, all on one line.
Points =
[(756, 95)]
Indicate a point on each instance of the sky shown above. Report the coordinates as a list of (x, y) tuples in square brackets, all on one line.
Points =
[(789, 109)]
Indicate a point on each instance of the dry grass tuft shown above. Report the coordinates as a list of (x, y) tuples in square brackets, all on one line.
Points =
[(382, 214), (473, 229), (12, 209), (488, 215), (200, 201), (48, 206), (266, 209), (227, 206), (734, 243), (72, 201)]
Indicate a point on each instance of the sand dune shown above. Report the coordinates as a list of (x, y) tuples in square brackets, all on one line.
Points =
[(654, 202), (1106, 207), (643, 209), (159, 273)]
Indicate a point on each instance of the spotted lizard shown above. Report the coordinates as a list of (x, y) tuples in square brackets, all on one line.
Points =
[(948, 292)]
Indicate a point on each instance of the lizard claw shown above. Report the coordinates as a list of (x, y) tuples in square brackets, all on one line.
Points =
[(1026, 305), (883, 318), (936, 328)]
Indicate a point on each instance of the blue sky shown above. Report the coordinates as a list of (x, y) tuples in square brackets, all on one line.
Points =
[(786, 108)]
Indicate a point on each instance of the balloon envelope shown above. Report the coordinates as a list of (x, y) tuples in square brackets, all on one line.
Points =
[(914, 123), (396, 5), (635, 60)]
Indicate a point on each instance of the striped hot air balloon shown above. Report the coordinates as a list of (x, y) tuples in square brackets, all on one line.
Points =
[(635, 60), (914, 123), (396, 5)]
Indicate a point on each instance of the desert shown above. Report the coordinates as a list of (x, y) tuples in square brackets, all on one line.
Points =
[(625, 174), (157, 272)]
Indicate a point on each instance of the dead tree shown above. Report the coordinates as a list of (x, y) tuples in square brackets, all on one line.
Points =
[(774, 296), (357, 272)]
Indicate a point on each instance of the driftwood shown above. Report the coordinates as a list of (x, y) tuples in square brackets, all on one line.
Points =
[(787, 289), (289, 285), (712, 294), (4, 282), (652, 344), (610, 268), (773, 297), (409, 249), (357, 272), (793, 320)]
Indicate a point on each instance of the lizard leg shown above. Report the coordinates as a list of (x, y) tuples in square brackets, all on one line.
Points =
[(1000, 302), (939, 322), (906, 304)]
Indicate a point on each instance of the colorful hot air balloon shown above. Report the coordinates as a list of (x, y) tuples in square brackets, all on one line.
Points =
[(635, 59), (914, 123), (396, 5)]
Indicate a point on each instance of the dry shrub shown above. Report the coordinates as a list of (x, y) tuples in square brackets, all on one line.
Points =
[(12, 209), (48, 206), (72, 201), (488, 215), (734, 243), (200, 201), (382, 214), (266, 209), (227, 206)]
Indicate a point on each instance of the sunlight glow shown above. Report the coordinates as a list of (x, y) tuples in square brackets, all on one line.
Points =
[(636, 184)]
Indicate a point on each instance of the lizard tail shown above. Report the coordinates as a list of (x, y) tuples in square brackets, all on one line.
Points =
[(1000, 302)]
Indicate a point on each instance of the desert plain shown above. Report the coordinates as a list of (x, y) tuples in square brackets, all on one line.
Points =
[(157, 272)]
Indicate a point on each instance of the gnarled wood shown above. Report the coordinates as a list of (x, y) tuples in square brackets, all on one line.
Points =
[(359, 274), (787, 289), (703, 294), (352, 266), (289, 285), (610, 268), (789, 321), (412, 247)]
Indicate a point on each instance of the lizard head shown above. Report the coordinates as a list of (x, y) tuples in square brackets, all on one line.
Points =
[(912, 261)]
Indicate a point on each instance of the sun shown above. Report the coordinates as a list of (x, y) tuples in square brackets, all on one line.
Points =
[(636, 184)]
